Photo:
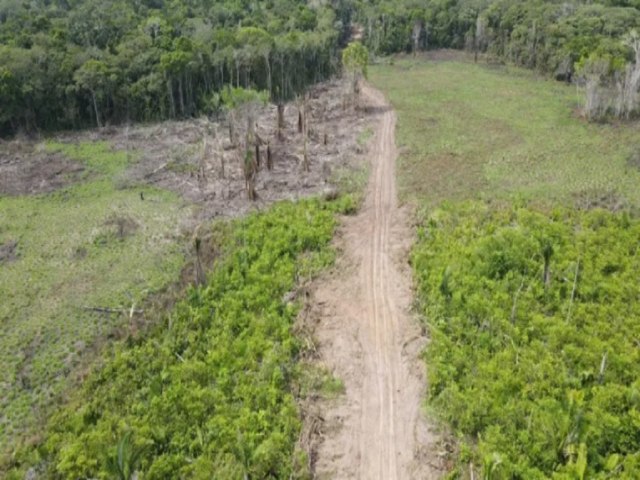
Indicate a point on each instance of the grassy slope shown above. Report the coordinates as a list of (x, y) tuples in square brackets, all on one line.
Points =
[(468, 130), (71, 255), (539, 378)]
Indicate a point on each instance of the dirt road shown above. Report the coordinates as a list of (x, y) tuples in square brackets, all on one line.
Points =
[(368, 339)]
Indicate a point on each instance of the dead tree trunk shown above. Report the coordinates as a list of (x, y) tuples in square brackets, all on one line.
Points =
[(199, 270), (232, 129), (95, 108), (416, 35), (250, 159), (202, 174), (305, 134), (305, 156), (547, 253), (281, 124), (269, 158), (250, 172), (303, 128)]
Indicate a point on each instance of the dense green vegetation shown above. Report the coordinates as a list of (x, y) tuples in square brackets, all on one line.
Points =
[(543, 34), (534, 319), (90, 244), (210, 393), (77, 63), (69, 64)]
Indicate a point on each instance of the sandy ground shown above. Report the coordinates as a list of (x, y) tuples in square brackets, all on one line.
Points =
[(367, 337)]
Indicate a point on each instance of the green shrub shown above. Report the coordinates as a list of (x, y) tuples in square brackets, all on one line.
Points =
[(534, 319), (208, 395)]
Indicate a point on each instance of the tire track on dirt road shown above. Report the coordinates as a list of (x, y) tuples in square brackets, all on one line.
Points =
[(368, 339)]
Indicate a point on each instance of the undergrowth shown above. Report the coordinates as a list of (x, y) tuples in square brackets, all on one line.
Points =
[(535, 358), (208, 394)]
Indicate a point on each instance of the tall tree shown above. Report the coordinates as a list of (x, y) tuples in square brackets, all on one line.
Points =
[(355, 59), (96, 77)]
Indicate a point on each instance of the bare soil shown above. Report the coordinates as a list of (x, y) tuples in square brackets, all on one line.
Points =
[(27, 169), (367, 337), (8, 251), (196, 159)]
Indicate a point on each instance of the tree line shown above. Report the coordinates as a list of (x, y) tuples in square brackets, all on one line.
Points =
[(592, 43), (73, 63), (76, 63)]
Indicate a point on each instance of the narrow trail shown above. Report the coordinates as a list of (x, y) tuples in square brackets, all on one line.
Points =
[(368, 339)]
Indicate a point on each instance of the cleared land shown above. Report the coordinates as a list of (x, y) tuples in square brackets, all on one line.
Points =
[(368, 339), (88, 245), (469, 131), (527, 287), (93, 223)]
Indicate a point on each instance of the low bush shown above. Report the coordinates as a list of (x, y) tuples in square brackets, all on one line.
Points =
[(535, 352)]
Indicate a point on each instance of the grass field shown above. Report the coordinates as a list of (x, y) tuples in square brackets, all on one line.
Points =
[(91, 244), (531, 305), (468, 131)]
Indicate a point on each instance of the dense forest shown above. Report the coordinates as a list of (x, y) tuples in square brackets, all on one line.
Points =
[(547, 35), (72, 63), (67, 64)]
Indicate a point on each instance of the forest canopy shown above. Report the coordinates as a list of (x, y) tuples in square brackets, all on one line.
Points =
[(77, 63), (69, 64)]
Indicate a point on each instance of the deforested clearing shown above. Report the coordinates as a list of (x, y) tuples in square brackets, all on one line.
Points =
[(298, 239), (525, 268)]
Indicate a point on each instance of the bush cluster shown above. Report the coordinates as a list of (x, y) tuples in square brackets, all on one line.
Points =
[(535, 357)]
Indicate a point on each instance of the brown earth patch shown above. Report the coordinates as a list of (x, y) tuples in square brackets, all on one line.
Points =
[(196, 159), (597, 198), (360, 316), (8, 251), (27, 169)]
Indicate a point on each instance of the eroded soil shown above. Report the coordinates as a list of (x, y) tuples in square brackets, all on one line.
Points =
[(26, 168)]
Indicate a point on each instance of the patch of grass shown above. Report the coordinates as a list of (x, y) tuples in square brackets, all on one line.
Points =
[(364, 137), (351, 181), (98, 156), (88, 245), (469, 131), (179, 166), (314, 380)]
